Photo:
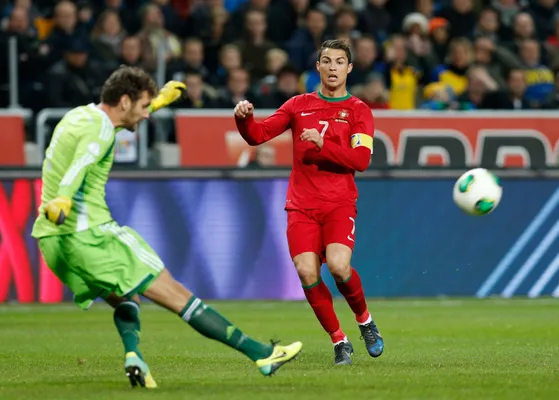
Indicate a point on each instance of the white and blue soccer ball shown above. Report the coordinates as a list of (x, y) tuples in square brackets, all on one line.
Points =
[(477, 192)]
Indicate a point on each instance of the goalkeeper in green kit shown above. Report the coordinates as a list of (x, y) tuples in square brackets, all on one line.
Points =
[(94, 256)]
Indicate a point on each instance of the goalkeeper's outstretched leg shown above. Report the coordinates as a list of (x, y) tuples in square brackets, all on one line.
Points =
[(127, 321), (169, 293)]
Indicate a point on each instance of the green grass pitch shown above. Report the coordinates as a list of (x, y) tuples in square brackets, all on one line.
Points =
[(435, 349)]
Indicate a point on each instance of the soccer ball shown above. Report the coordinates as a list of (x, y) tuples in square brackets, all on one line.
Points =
[(477, 192)]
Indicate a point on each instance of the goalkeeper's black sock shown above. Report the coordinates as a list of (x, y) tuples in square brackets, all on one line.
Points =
[(127, 321), (213, 325)]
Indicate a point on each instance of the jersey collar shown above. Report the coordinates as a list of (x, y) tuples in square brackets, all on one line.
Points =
[(333, 99), (100, 111)]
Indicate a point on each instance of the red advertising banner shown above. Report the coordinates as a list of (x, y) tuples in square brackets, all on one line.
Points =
[(12, 140), (402, 139), (18, 208)]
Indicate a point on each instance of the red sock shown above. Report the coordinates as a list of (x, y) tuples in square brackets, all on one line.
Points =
[(352, 290), (320, 299)]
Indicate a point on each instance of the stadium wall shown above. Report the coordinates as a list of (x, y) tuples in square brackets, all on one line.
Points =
[(224, 236)]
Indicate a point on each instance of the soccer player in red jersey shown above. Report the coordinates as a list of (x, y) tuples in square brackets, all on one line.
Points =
[(332, 138)]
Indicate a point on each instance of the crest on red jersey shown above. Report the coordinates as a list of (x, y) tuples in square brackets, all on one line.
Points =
[(343, 115)]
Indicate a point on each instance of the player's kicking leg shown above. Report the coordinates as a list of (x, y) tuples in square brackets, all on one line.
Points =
[(349, 284), (339, 236), (169, 293), (127, 321)]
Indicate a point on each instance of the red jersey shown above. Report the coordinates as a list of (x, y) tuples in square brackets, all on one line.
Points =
[(322, 177)]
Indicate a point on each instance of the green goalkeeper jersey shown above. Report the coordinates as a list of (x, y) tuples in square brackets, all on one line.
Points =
[(77, 165)]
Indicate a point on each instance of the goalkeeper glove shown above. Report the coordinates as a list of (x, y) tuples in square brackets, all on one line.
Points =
[(168, 94), (58, 209)]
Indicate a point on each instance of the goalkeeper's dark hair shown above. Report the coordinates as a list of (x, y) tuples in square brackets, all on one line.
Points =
[(336, 44), (131, 81)]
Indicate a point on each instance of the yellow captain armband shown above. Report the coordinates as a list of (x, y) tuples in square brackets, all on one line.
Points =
[(361, 139)]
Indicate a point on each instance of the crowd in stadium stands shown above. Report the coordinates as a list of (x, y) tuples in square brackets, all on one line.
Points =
[(407, 54)]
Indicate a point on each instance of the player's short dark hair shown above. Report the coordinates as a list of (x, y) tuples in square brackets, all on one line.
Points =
[(336, 44), (131, 81)]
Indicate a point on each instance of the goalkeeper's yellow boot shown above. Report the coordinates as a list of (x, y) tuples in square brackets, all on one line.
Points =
[(280, 356), (138, 372)]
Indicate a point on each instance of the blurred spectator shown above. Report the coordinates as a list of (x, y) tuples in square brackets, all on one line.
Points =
[(131, 52), (402, 79), (286, 87), (107, 36), (254, 45), (415, 24), (212, 32), (331, 8), (512, 98), (461, 16), (398, 47), (507, 10), (66, 29), (197, 95), (543, 11), (229, 59), (425, 7), (30, 9), (192, 59), (523, 28), (365, 61), (373, 92), (172, 21), (552, 100), (479, 83), (551, 45), (453, 73), (488, 24), (235, 24), (375, 20), (416, 29), (305, 41), (155, 38), (438, 96), (539, 78), (129, 19), (285, 17), (76, 79), (85, 15), (438, 29), (200, 20), (28, 56), (276, 59), (495, 59), (264, 157), (237, 89), (345, 24)]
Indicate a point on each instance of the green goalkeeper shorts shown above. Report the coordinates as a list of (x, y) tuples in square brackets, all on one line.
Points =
[(101, 260)]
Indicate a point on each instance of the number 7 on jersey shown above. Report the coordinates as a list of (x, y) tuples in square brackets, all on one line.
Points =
[(323, 131)]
